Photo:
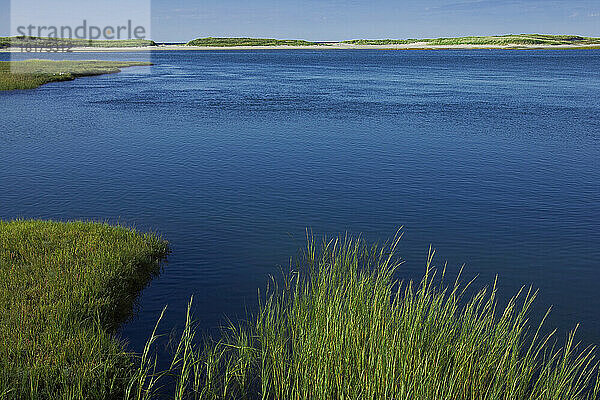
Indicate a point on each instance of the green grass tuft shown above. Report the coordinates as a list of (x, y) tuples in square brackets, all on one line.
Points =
[(65, 288), (30, 74), (341, 327)]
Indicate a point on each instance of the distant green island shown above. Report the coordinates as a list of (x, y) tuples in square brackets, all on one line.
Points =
[(45, 42), (525, 40), (31, 74), (504, 40), (233, 42)]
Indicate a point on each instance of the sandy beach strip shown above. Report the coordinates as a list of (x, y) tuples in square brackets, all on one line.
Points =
[(337, 46)]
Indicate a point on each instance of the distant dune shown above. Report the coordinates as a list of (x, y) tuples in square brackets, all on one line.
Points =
[(521, 41)]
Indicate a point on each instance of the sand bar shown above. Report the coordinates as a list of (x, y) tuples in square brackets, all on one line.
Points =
[(337, 46)]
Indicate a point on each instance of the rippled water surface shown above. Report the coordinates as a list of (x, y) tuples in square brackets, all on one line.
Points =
[(491, 156)]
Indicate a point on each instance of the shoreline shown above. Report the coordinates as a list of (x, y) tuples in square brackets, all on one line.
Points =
[(31, 74), (340, 46)]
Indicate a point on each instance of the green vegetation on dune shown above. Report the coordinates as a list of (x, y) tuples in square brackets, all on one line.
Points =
[(64, 290), (50, 43), (31, 74), (505, 40), (341, 327), (500, 40), (234, 42)]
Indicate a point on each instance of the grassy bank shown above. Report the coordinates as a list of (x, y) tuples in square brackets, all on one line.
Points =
[(31, 74), (505, 40), (340, 327), (235, 42), (50, 43), (64, 289)]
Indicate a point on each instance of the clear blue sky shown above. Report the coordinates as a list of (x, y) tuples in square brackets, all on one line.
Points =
[(182, 20)]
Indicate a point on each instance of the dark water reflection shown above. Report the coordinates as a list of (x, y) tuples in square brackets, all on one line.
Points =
[(491, 156)]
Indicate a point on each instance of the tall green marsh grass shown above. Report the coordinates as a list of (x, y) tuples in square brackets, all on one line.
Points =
[(339, 326)]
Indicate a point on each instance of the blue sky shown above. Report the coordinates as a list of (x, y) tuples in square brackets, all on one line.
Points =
[(182, 20)]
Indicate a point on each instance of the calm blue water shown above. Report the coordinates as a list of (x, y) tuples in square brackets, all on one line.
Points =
[(490, 156)]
